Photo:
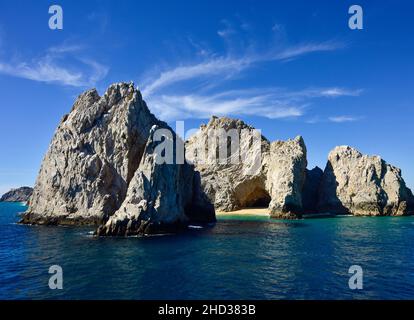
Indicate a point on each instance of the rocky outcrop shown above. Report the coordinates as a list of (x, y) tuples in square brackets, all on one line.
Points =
[(229, 181), (351, 183), (257, 173), (93, 156), (160, 196), (358, 184), (286, 177), (102, 167), (17, 195)]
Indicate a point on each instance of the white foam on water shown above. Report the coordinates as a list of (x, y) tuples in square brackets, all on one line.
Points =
[(195, 227)]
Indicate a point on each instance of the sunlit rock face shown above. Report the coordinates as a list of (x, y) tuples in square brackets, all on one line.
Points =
[(93, 155), (286, 177), (235, 178), (358, 184), (262, 175), (101, 159), (102, 168)]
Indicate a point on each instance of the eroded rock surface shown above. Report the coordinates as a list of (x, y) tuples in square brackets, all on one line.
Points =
[(93, 155), (358, 184), (268, 175), (286, 177), (102, 167), (17, 195), (160, 196)]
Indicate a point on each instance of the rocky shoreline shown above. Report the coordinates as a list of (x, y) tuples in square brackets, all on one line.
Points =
[(103, 168)]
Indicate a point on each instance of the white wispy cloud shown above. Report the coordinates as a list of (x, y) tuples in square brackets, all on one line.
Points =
[(272, 103), (337, 92), (60, 64), (206, 69), (340, 119), (43, 71), (193, 106), (193, 90), (227, 67)]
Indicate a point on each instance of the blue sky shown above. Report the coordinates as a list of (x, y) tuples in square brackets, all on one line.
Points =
[(285, 67)]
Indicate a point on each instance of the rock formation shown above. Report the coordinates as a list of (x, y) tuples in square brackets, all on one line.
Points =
[(160, 196), (94, 156), (104, 166), (286, 177), (17, 195), (363, 185), (270, 174), (227, 180)]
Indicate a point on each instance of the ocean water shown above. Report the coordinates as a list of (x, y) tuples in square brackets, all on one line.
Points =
[(241, 257)]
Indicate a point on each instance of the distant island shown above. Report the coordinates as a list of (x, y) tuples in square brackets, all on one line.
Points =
[(103, 168), (17, 195)]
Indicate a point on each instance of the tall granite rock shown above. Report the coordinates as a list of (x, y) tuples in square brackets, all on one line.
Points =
[(286, 177), (358, 184), (264, 174), (17, 195), (102, 168), (161, 194), (93, 156), (230, 179)]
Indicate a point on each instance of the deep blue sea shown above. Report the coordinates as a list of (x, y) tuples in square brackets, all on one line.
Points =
[(239, 258)]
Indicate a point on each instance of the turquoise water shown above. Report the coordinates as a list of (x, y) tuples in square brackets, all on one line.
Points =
[(239, 258)]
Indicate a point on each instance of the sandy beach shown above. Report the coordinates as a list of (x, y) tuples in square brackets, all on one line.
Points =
[(246, 211)]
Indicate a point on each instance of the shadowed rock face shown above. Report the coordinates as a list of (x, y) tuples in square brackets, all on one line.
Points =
[(310, 192), (160, 196), (363, 185), (276, 182), (17, 195)]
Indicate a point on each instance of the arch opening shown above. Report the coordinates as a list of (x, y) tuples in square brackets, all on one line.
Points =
[(257, 198)]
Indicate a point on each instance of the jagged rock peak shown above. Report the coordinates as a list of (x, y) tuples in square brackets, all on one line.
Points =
[(93, 155), (226, 123)]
